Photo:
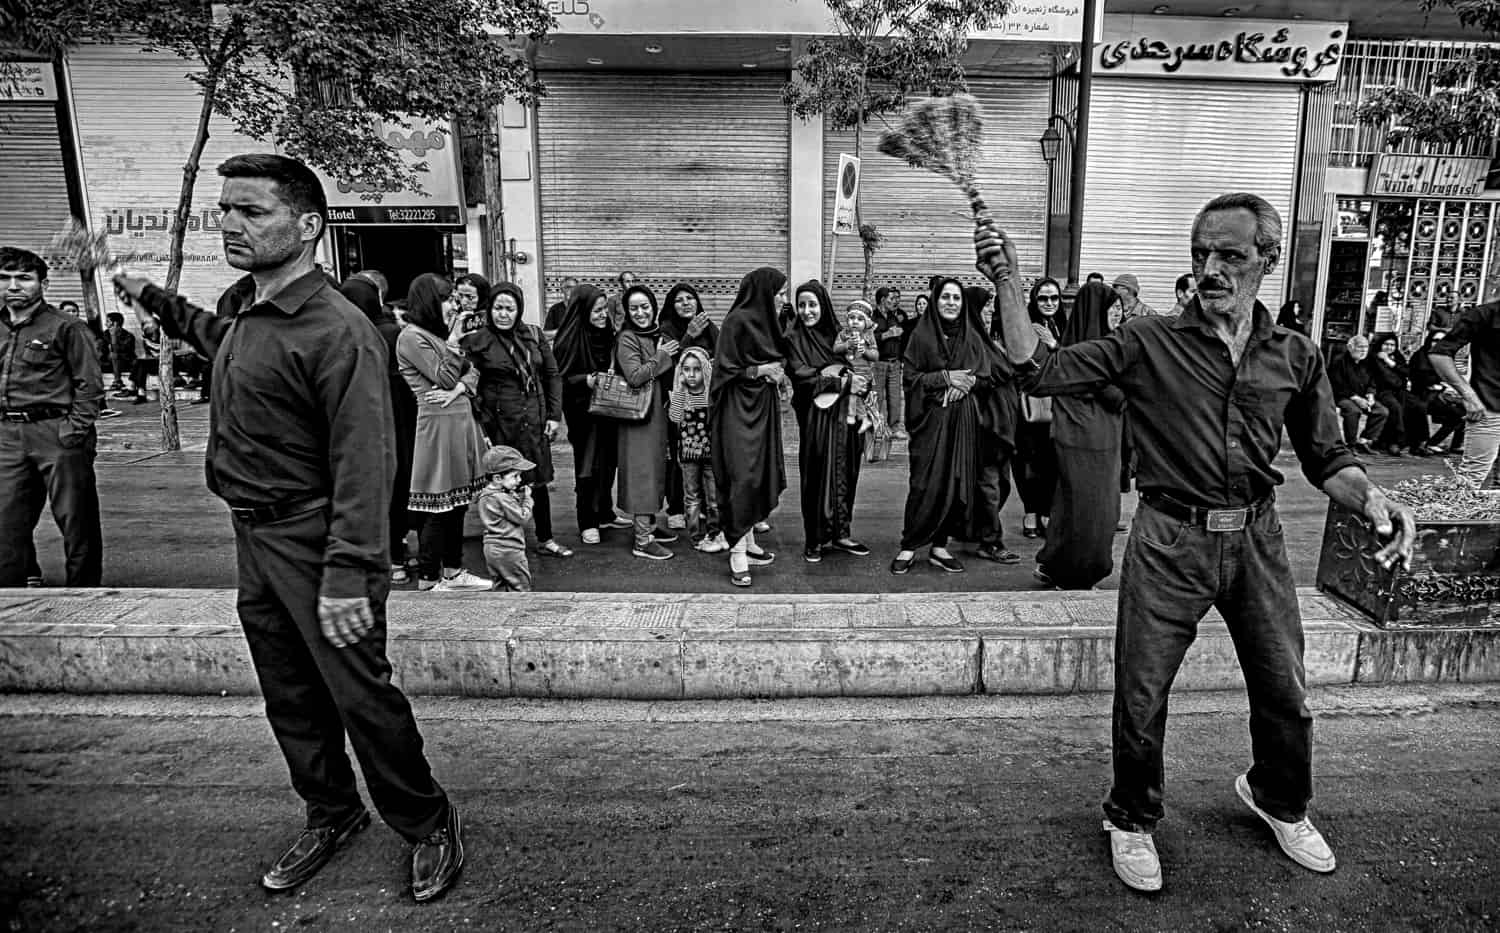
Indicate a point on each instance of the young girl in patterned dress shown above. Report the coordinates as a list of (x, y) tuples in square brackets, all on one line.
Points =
[(689, 411)]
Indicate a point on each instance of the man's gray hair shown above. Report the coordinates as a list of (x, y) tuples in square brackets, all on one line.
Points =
[(1268, 228)]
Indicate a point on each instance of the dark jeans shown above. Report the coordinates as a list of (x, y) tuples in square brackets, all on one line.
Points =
[(1172, 573), (596, 504), (1349, 414), (316, 693), (440, 542), (35, 467), (541, 511), (994, 490)]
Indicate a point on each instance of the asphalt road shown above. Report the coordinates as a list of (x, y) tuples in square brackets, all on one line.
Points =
[(163, 529), (980, 813)]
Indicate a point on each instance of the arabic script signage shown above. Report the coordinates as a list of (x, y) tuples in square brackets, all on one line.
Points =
[(440, 202), (1162, 47), (32, 81), (1434, 176)]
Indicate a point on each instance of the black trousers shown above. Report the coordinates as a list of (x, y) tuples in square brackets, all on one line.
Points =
[(37, 467), (316, 694), (440, 542)]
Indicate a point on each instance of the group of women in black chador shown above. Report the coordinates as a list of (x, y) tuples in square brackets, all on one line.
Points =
[(968, 426)]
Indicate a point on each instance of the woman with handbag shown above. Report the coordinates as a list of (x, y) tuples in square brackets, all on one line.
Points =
[(520, 396), (946, 361), (1087, 432), (645, 361), (745, 417), (829, 445), (446, 470), (1035, 463), (585, 349)]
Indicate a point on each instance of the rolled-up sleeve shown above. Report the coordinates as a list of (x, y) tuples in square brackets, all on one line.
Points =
[(1312, 424)]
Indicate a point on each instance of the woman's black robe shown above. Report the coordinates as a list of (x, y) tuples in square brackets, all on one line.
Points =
[(582, 349)]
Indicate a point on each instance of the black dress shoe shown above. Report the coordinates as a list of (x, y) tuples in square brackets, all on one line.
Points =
[(850, 546), (312, 850), (813, 554), (437, 859), (946, 564)]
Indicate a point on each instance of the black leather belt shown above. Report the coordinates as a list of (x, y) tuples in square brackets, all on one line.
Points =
[(1211, 519), (33, 415), (261, 514)]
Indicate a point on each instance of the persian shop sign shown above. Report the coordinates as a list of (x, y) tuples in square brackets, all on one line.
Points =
[(1155, 46), (441, 200), (28, 81), (1434, 176)]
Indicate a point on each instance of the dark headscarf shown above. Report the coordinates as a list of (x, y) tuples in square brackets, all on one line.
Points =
[(424, 303), (1288, 317), (672, 325), (1090, 317), (938, 345), (582, 348), (655, 328), (487, 344), (483, 287), (487, 304), (750, 334), (813, 346), (363, 294), (1053, 322)]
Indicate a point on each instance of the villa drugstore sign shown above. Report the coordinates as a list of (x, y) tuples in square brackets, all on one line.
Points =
[(1155, 46)]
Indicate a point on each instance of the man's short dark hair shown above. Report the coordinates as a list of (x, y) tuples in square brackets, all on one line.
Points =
[(16, 259), (296, 184), (69, 303), (1095, 277), (1184, 282), (115, 317), (880, 294)]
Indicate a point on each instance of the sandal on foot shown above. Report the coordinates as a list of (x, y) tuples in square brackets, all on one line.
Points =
[(739, 579), (553, 549)]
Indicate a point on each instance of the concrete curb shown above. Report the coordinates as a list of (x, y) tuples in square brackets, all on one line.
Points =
[(649, 647)]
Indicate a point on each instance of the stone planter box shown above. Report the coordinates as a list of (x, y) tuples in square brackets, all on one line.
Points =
[(1454, 579)]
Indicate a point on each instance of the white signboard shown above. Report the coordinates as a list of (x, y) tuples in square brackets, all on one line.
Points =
[(1238, 49), (27, 81), (440, 200), (845, 198), (1036, 20)]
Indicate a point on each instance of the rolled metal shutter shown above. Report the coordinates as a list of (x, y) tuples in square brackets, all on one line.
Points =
[(672, 176), (925, 220), (136, 113), (34, 191), (1160, 150)]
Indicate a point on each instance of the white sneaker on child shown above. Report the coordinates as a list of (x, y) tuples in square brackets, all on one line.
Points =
[(463, 580)]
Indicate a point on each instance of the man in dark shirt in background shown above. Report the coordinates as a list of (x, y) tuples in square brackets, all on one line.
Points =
[(51, 390), (1209, 394), (891, 342), (1355, 396), (1479, 329), (300, 448)]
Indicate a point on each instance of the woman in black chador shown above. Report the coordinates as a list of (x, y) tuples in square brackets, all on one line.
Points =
[(946, 358)]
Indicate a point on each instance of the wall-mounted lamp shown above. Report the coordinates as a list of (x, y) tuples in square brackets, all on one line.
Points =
[(1052, 140)]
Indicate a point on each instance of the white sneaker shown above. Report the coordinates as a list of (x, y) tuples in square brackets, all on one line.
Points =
[(463, 580), (713, 544), (1301, 841), (590, 536), (1134, 856), (677, 522)]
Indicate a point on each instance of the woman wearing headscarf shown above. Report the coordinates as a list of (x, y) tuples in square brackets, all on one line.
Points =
[(1035, 463), (366, 297), (947, 359), (446, 471), (745, 419), (829, 448), (645, 358), (683, 320), (585, 349), (1388, 379), (999, 411), (520, 396), (1086, 432)]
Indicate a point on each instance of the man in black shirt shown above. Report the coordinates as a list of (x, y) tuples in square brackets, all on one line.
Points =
[(890, 340), (1355, 396), (1479, 329), (300, 448), (1209, 394)]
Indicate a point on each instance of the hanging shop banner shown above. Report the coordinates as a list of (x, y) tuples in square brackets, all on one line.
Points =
[(1035, 20), (1234, 49), (1431, 176), (440, 200), (27, 81), (846, 196)]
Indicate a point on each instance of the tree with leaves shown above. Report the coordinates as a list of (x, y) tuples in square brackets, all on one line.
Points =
[(884, 52), (314, 78), (1464, 101)]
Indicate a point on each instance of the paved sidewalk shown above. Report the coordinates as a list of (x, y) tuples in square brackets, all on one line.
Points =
[(676, 646)]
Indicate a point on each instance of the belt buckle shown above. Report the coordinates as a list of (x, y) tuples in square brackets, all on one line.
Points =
[(1225, 520), (245, 515), (17, 417)]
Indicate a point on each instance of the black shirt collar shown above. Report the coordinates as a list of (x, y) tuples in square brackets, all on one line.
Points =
[(290, 299), (1194, 316)]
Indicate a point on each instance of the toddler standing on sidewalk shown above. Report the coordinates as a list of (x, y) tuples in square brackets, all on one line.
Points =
[(505, 507), (689, 411)]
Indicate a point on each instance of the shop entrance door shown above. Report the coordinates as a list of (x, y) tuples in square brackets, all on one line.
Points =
[(401, 253)]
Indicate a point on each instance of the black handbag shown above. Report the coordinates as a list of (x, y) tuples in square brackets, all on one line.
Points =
[(614, 398)]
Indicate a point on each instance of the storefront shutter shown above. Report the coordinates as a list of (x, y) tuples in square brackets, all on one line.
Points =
[(673, 177), (34, 190), (924, 218), (1159, 151)]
